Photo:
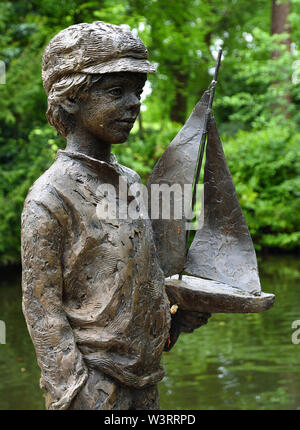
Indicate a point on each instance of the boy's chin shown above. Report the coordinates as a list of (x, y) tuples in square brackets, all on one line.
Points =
[(121, 138)]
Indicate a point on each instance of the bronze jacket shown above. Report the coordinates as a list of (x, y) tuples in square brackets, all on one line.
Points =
[(93, 290)]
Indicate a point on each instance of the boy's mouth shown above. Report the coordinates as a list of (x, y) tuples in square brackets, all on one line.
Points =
[(127, 122)]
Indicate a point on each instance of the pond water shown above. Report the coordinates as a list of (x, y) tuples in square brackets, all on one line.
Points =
[(234, 362)]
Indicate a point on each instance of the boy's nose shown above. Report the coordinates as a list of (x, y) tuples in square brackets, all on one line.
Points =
[(134, 102)]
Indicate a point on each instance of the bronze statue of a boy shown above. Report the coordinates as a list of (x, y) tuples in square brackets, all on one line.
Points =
[(93, 291)]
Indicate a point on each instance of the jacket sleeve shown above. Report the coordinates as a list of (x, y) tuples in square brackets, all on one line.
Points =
[(63, 371)]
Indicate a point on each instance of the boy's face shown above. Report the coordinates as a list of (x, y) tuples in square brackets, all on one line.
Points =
[(112, 106)]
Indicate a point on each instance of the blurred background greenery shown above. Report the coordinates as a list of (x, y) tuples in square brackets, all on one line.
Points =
[(256, 103)]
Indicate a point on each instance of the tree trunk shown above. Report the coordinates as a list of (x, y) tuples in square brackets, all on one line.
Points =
[(280, 24), (178, 110)]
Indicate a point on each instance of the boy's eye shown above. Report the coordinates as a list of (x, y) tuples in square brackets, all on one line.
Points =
[(117, 91)]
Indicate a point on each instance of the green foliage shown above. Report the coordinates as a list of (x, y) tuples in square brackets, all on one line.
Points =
[(265, 166), (263, 85), (255, 90), (22, 161)]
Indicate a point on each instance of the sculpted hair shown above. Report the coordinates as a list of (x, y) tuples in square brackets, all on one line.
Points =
[(74, 87)]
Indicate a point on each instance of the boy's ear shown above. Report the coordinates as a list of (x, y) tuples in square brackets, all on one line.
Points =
[(69, 106)]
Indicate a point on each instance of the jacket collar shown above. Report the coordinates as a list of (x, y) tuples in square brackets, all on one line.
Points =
[(93, 163)]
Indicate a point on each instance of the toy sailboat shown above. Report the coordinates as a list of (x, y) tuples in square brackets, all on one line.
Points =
[(218, 273)]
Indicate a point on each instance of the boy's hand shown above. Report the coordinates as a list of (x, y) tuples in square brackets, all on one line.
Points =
[(185, 322), (188, 321)]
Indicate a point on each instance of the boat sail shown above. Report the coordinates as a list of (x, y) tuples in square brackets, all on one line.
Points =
[(220, 272), (222, 248)]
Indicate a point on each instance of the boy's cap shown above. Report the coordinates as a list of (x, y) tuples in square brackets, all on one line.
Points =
[(95, 48)]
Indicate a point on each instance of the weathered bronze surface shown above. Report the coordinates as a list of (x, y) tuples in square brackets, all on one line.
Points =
[(96, 48), (222, 249), (93, 290)]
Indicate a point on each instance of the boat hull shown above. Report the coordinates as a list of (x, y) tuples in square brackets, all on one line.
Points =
[(203, 295)]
